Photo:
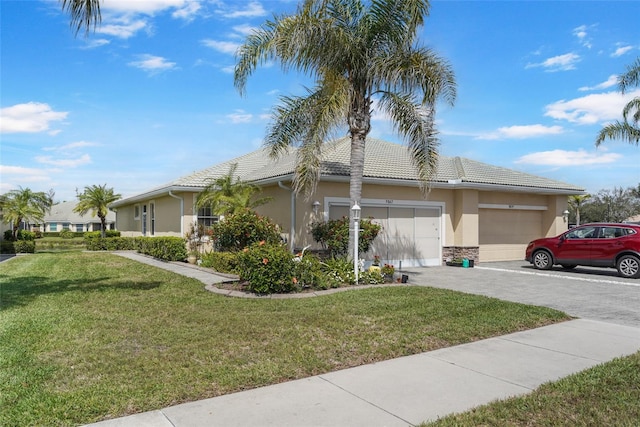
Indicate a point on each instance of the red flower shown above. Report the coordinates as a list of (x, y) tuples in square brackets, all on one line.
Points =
[(295, 281), (265, 261), (262, 242)]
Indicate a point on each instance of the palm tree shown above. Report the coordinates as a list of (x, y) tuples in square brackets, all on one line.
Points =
[(84, 13), (96, 199), (358, 52), (629, 128), (226, 196), (24, 205), (576, 202)]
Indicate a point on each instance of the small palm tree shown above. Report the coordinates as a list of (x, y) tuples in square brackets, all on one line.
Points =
[(576, 202), (227, 195), (84, 13), (96, 198), (24, 205), (629, 128), (358, 52)]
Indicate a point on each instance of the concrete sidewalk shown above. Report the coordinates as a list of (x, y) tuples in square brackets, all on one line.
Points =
[(405, 391)]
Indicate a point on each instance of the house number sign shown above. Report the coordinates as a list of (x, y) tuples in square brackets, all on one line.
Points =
[(389, 202)]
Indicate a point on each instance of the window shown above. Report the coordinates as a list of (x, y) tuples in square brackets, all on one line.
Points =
[(582, 233), (79, 228), (53, 226), (136, 212), (66, 226), (206, 217)]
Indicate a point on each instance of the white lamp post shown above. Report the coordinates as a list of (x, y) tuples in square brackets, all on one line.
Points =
[(355, 210)]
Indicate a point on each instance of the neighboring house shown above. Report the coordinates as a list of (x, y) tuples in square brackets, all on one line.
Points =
[(62, 217), (473, 209)]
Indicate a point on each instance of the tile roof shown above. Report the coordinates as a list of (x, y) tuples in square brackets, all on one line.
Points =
[(63, 212), (383, 161)]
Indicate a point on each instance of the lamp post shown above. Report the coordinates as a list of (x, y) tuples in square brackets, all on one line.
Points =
[(355, 210)]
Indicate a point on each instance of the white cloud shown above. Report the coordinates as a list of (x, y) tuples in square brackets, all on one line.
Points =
[(244, 29), (72, 146), (591, 109), (229, 69), (65, 163), (568, 158), (152, 63), (122, 28), (148, 7), (95, 43), (188, 11), (582, 35), (558, 63), (621, 51), (222, 46), (31, 117), (523, 132), (239, 116), (611, 81), (252, 10)]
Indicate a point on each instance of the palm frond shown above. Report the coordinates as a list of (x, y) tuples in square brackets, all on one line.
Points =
[(84, 14), (619, 130), (415, 123), (631, 77), (632, 105)]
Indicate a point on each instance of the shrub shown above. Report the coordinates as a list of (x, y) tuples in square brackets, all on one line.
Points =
[(223, 262), (334, 235), (23, 246), (339, 271), (164, 248), (268, 268), (240, 230), (21, 235), (110, 244), (67, 234), (373, 277), (308, 273)]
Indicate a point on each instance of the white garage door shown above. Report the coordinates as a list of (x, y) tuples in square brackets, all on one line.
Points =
[(409, 236), (504, 234)]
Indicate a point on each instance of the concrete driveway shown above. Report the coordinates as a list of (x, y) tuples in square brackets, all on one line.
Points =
[(589, 293)]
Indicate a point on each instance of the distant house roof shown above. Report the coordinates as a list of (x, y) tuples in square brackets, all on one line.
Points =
[(385, 162), (63, 212)]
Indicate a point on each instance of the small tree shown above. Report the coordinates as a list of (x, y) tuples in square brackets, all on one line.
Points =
[(241, 229), (96, 199), (576, 202), (229, 194), (615, 205), (24, 205), (333, 235)]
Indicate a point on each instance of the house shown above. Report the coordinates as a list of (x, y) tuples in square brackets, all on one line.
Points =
[(473, 210), (62, 217)]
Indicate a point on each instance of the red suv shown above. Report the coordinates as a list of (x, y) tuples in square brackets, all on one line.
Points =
[(597, 245)]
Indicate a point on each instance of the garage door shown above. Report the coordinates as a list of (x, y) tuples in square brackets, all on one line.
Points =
[(409, 236), (505, 233)]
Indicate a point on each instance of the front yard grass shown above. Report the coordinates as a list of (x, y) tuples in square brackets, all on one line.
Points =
[(90, 336), (605, 395)]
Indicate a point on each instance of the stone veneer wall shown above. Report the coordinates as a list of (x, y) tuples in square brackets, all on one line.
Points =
[(452, 252)]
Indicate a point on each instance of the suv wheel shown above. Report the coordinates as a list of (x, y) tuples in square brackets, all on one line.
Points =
[(629, 266), (542, 260)]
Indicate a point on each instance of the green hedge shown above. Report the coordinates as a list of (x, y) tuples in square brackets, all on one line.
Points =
[(18, 247), (222, 262), (164, 248)]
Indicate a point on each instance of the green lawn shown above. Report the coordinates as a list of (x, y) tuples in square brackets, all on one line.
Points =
[(605, 395), (88, 336)]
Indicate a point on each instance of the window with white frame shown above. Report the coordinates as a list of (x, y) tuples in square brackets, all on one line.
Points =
[(206, 217)]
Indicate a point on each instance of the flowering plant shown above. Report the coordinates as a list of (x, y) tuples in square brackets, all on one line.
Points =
[(387, 270), (376, 260)]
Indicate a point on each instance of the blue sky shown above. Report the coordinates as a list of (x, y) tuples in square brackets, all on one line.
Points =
[(149, 96)]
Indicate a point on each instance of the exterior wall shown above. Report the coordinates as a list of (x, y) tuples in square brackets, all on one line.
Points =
[(166, 218)]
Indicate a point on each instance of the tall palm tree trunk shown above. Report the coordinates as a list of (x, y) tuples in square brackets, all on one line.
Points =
[(359, 126)]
